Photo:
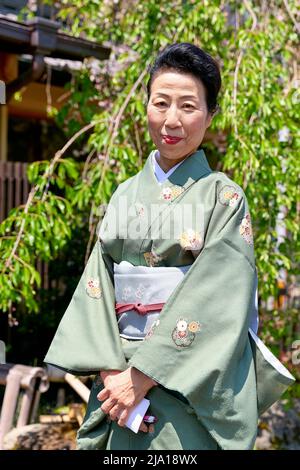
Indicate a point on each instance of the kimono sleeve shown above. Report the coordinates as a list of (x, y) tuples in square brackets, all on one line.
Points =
[(200, 348), (87, 338)]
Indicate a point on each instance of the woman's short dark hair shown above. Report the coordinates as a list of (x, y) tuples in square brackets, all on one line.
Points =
[(188, 58)]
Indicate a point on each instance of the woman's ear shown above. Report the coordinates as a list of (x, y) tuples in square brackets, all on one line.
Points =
[(209, 118)]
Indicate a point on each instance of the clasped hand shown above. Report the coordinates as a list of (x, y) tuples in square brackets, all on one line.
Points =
[(122, 392)]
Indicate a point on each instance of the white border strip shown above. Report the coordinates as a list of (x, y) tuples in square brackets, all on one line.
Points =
[(269, 356)]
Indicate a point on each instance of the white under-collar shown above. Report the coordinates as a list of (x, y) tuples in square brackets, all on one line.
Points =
[(158, 171)]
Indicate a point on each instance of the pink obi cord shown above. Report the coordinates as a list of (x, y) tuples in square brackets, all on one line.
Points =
[(142, 309)]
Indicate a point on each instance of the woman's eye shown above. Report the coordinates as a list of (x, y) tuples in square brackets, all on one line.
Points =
[(160, 103), (189, 106)]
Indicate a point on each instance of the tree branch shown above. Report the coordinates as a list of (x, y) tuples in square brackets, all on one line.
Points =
[(35, 189), (291, 16), (238, 63)]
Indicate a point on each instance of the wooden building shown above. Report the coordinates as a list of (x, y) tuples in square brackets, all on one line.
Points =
[(36, 61)]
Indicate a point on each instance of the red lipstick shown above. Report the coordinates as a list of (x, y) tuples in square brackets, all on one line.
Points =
[(171, 140)]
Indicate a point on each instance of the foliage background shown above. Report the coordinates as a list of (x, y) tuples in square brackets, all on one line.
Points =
[(104, 120)]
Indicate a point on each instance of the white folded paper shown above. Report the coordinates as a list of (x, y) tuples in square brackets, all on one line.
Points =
[(136, 416)]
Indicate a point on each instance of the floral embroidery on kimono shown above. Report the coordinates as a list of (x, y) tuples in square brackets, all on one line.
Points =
[(152, 259), (229, 196), (151, 330), (191, 240), (140, 210), (93, 288), (171, 193), (246, 229), (184, 333), (140, 291), (126, 292)]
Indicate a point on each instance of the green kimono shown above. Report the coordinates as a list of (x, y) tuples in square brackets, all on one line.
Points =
[(214, 380)]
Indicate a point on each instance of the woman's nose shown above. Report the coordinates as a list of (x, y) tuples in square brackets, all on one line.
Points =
[(172, 117)]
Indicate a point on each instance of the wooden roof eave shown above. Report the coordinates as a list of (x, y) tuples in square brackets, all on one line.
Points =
[(42, 35), (41, 38)]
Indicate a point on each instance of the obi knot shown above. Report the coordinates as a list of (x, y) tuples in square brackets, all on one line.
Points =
[(141, 309)]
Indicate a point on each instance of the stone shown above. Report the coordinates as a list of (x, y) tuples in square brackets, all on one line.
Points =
[(60, 436)]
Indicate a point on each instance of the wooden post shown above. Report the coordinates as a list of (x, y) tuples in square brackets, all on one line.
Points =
[(15, 377), (2, 352), (8, 72), (2, 92), (13, 383), (82, 390), (3, 132)]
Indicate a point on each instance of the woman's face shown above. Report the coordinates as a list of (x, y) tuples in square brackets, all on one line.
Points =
[(177, 108)]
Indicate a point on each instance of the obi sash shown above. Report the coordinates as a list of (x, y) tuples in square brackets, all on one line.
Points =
[(142, 291)]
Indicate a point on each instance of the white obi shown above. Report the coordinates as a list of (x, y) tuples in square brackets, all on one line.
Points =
[(151, 285), (144, 285)]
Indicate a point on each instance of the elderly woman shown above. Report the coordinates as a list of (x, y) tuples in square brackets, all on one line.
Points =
[(165, 312)]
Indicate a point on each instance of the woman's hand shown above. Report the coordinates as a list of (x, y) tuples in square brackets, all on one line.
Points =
[(108, 373), (122, 392)]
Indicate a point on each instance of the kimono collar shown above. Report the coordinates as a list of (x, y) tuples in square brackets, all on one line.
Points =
[(184, 175), (160, 174)]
